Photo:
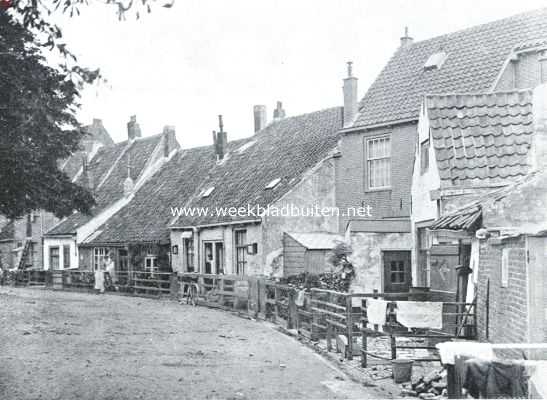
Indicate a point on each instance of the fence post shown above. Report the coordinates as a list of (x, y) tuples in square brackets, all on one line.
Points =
[(314, 335), (349, 327), (276, 306), (392, 338), (293, 312), (364, 337)]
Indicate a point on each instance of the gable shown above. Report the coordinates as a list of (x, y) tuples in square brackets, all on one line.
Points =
[(475, 58)]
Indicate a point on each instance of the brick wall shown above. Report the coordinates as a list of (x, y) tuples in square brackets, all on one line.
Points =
[(508, 311), (528, 73), (351, 177)]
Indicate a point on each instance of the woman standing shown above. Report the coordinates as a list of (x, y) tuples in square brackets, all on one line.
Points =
[(99, 279)]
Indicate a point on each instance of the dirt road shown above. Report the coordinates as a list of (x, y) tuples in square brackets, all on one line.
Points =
[(61, 345)]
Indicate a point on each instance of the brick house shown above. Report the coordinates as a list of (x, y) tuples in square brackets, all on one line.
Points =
[(21, 239), (113, 174), (507, 228), (288, 163), (378, 145)]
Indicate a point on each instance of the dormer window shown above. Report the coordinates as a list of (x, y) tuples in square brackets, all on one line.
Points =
[(207, 192), (273, 183), (435, 61)]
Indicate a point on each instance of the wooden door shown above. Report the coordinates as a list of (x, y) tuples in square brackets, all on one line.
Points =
[(397, 272)]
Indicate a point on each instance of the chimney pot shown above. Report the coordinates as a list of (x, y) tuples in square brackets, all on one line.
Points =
[(279, 112), (259, 112), (350, 96), (406, 40), (133, 128), (220, 140)]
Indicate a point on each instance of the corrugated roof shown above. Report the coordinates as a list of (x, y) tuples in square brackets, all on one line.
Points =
[(107, 172), (285, 149), (475, 58), (469, 217), (481, 138), (317, 240)]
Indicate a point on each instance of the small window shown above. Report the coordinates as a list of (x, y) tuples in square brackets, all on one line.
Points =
[(505, 268), (424, 156), (273, 183), (207, 192), (435, 61), (66, 256), (378, 156)]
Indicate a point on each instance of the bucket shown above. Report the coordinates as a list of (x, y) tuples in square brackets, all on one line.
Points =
[(402, 370)]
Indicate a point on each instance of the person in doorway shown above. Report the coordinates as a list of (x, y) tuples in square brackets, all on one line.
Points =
[(110, 275), (99, 279)]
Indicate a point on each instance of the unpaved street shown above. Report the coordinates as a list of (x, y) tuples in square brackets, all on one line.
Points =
[(61, 345)]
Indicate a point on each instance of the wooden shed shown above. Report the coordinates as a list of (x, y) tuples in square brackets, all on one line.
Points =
[(307, 252)]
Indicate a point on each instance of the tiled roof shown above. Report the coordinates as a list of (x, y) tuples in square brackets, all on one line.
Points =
[(317, 240), (7, 232), (475, 58), (285, 149), (107, 172), (481, 138), (146, 217)]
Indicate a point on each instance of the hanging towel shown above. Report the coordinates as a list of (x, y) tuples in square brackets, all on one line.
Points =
[(449, 350), (420, 314), (537, 379), (376, 311), (300, 298)]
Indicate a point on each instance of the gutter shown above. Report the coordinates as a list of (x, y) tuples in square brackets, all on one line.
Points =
[(195, 227), (353, 129)]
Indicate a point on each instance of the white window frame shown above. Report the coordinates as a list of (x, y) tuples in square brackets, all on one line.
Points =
[(99, 256), (504, 275), (153, 261), (371, 160)]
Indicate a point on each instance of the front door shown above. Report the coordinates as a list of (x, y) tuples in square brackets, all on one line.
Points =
[(397, 275), (213, 262)]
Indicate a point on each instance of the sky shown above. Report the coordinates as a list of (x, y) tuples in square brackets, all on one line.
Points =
[(187, 64)]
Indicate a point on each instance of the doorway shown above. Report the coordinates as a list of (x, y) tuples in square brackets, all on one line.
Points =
[(397, 272), (213, 257)]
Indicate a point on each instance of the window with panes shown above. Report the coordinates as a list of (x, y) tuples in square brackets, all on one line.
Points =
[(378, 156), (241, 251), (99, 257)]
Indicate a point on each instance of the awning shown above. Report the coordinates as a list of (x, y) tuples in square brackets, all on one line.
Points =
[(465, 219)]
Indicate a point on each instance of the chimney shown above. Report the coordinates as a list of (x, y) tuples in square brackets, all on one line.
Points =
[(128, 184), (260, 117), (97, 122), (133, 128), (350, 96), (406, 40), (279, 112), (168, 139), (220, 140)]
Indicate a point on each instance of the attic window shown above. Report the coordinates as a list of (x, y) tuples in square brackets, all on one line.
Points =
[(207, 192), (273, 183), (435, 61)]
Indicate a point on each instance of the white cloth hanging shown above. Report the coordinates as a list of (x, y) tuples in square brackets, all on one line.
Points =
[(420, 314), (376, 311)]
